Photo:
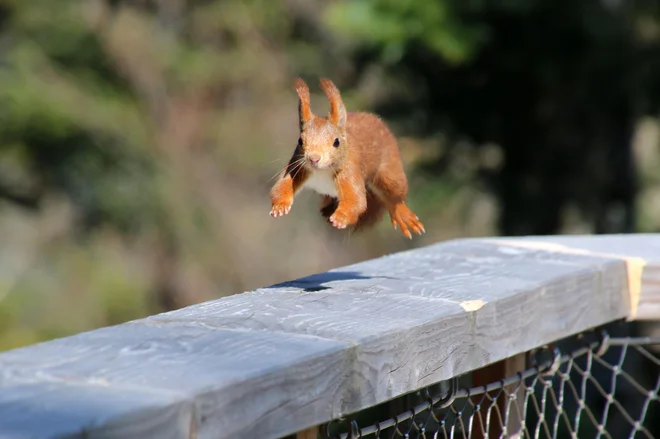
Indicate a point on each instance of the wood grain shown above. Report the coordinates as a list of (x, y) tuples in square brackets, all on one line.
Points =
[(48, 409), (282, 359), (628, 247)]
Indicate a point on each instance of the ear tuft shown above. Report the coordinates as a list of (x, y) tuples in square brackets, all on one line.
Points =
[(304, 109), (337, 109)]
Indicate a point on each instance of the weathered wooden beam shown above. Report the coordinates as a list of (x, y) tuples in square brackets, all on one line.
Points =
[(640, 252), (282, 359)]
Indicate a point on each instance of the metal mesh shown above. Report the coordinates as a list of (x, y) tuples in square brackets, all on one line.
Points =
[(601, 388)]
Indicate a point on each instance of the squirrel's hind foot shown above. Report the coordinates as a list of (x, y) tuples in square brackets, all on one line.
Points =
[(403, 218)]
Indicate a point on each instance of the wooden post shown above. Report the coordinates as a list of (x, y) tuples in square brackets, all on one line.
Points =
[(310, 433), (514, 418)]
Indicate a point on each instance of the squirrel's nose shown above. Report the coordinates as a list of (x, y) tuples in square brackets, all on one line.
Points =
[(314, 158)]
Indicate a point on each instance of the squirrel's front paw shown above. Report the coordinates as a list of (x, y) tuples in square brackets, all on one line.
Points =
[(341, 219), (280, 209)]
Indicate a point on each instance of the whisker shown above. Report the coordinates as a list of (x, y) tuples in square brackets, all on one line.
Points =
[(294, 165), (297, 165), (340, 192), (347, 236), (276, 174)]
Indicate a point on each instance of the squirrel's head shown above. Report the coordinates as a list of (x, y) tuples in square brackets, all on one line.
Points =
[(322, 139)]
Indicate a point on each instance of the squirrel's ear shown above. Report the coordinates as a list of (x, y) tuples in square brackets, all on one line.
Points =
[(337, 108), (304, 109)]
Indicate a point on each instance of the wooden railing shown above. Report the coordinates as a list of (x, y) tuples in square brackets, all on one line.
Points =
[(284, 359)]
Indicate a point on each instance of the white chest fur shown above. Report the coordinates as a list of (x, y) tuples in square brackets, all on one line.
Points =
[(322, 182)]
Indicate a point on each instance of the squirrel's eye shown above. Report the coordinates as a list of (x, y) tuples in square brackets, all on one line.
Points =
[(336, 144), (299, 141)]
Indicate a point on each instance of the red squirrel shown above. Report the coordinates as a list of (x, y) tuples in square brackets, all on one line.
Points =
[(352, 160)]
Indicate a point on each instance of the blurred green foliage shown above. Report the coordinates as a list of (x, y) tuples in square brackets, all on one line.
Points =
[(389, 25), (138, 138)]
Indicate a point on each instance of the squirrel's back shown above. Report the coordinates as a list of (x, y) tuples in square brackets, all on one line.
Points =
[(370, 137)]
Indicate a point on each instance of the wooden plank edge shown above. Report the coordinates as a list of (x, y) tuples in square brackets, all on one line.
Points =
[(643, 290)]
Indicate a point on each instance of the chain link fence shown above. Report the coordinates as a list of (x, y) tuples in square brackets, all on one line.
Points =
[(588, 386)]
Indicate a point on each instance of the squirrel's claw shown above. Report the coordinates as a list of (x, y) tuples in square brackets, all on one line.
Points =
[(340, 220), (403, 218), (280, 210)]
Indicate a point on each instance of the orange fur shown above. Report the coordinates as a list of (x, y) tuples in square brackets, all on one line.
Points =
[(352, 160)]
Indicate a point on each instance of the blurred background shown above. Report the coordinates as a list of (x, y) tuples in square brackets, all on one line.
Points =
[(139, 138)]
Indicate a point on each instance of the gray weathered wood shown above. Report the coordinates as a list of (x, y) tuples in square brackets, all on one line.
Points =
[(51, 409), (278, 360), (641, 253)]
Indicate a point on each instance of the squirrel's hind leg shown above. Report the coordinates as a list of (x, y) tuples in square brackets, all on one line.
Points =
[(392, 185), (374, 212), (328, 205)]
